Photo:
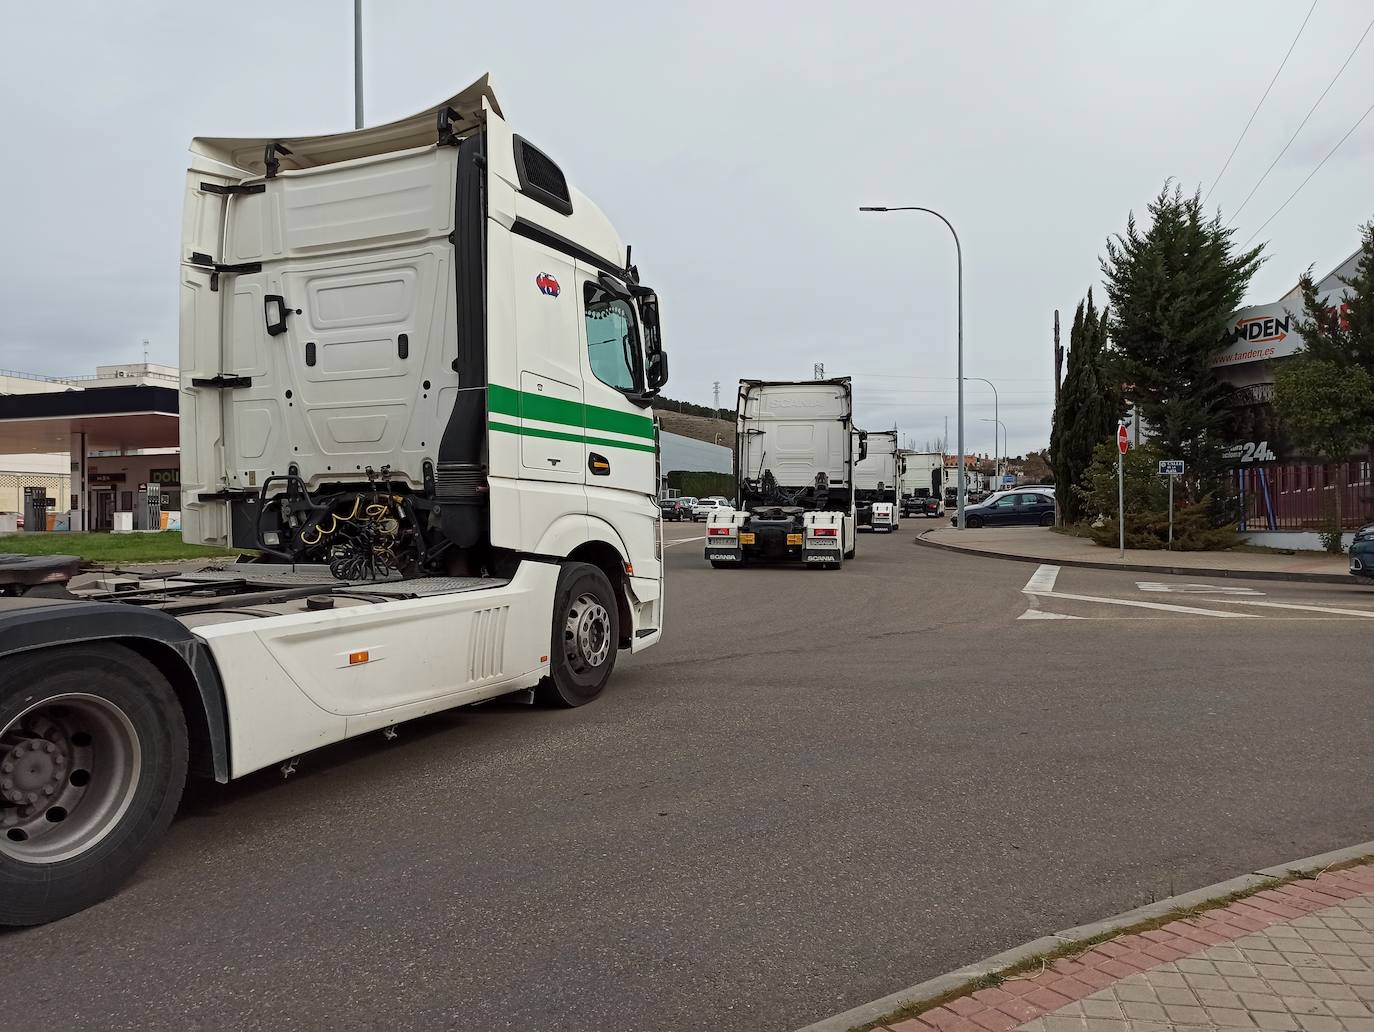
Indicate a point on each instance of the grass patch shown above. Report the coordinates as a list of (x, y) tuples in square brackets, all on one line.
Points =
[(110, 548), (1036, 964)]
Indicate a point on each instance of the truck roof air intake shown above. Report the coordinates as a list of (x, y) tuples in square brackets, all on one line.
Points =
[(541, 178)]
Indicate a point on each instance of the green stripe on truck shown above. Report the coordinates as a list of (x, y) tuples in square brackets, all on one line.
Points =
[(507, 401), (554, 435)]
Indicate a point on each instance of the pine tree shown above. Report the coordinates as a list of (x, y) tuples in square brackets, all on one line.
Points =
[(1172, 288), (1088, 407)]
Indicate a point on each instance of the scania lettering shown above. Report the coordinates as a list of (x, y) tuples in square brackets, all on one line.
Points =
[(878, 481), (795, 449), (417, 370)]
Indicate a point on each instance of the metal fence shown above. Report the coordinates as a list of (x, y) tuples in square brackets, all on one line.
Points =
[(1303, 496), (12, 486)]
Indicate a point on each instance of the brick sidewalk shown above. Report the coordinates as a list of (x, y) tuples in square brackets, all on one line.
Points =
[(1298, 958)]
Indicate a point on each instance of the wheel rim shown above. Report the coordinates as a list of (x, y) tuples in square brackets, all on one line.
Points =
[(587, 633), (69, 767)]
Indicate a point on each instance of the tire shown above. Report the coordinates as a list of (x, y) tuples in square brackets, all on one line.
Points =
[(585, 637), (87, 702), (1047, 519), (973, 522)]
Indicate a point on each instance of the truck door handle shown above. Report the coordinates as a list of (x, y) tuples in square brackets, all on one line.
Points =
[(276, 318), (599, 465)]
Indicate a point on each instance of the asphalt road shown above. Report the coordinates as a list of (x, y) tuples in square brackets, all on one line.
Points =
[(821, 787)]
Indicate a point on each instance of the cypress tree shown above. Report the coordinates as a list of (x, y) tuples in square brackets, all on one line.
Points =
[(1089, 405)]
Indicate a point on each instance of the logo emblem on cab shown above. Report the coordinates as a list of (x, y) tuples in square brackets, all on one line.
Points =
[(547, 284)]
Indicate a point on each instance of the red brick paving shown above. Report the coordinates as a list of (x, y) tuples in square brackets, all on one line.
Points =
[(1026, 997)]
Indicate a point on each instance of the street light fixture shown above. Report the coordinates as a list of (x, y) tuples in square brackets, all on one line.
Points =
[(959, 259)]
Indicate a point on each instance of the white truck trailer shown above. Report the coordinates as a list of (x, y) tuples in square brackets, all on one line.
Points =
[(795, 450), (878, 482), (416, 375)]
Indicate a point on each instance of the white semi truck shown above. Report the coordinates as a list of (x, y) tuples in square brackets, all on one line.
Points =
[(925, 480), (795, 448), (416, 375), (878, 482)]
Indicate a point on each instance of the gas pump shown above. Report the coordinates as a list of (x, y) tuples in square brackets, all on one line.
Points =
[(36, 506)]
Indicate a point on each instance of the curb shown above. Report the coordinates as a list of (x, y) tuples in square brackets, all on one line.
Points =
[(1173, 571), (875, 1010)]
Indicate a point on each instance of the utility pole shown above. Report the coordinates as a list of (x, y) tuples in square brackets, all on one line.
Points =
[(357, 64), (1058, 360)]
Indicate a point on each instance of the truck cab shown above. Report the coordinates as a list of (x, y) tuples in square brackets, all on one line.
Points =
[(418, 370), (878, 482), (795, 453)]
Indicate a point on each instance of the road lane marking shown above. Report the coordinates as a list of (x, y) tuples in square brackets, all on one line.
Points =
[(1196, 589), (683, 541), (1191, 610), (1293, 605), (1041, 580)]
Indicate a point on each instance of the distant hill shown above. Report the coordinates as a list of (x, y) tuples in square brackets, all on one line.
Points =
[(710, 429)]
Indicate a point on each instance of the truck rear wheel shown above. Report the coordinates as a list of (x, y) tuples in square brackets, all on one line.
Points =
[(93, 756), (586, 633)]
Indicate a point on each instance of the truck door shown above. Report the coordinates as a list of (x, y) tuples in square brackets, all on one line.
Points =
[(620, 434)]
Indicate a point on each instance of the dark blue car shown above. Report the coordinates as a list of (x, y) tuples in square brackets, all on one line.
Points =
[(1011, 509), (1362, 553)]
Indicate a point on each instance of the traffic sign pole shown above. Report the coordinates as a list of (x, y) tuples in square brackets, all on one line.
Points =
[(1171, 468)]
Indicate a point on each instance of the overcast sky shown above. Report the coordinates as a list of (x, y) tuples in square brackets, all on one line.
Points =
[(731, 144)]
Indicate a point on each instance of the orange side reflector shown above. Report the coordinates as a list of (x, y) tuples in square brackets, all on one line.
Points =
[(543, 659), (354, 658), (629, 569)]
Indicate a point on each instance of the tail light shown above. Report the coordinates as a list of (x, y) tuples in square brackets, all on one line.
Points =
[(825, 531), (718, 531)]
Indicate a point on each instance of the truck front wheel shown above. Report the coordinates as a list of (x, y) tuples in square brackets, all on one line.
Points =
[(586, 630), (93, 758)]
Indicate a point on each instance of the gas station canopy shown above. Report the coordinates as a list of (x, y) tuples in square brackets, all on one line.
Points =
[(115, 419)]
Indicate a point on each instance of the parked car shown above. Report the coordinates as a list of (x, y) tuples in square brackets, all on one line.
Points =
[(1012, 509), (1362, 553), (921, 505), (705, 506), (673, 510)]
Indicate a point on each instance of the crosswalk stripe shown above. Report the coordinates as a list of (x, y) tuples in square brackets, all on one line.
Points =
[(1192, 610)]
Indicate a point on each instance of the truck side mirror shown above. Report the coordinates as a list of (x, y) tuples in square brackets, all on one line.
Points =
[(863, 446), (655, 358), (657, 373)]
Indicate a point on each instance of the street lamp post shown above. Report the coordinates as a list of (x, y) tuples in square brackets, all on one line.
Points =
[(995, 413), (959, 259), (997, 464)]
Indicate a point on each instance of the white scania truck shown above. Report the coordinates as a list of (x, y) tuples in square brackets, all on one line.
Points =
[(416, 375), (794, 462), (878, 482)]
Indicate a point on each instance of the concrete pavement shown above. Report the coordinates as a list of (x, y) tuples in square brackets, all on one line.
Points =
[(819, 788), (1045, 545)]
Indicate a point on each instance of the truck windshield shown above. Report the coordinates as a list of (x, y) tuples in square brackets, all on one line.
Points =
[(612, 348)]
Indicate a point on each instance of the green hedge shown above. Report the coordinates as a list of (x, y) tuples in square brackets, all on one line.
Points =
[(702, 485)]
